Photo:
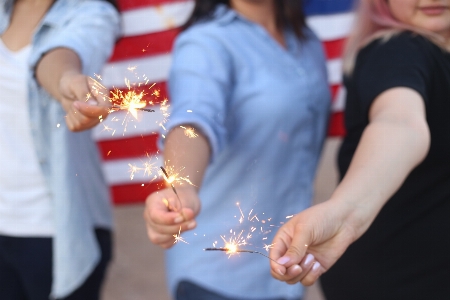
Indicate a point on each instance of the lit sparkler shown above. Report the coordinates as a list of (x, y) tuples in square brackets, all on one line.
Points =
[(170, 180), (233, 249)]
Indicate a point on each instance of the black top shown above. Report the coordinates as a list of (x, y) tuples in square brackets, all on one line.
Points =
[(405, 254)]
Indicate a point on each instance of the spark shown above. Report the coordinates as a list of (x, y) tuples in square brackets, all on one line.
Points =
[(178, 237), (133, 170), (189, 132)]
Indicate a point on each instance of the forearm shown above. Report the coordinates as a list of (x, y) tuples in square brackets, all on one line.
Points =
[(53, 66), (386, 154), (187, 156)]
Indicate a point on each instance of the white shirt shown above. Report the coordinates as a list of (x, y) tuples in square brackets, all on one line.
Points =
[(25, 205)]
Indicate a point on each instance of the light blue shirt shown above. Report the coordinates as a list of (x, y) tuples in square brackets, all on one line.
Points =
[(70, 161), (264, 110)]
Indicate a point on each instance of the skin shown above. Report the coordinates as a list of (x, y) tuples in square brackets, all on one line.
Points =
[(377, 170), (192, 155), (59, 71), (431, 15)]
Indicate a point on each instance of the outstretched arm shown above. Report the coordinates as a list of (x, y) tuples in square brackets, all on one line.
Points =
[(59, 72), (395, 141), (163, 216)]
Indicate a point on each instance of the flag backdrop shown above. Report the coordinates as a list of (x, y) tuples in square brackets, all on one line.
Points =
[(143, 55)]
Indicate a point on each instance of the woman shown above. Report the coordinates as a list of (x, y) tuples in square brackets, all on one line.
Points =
[(393, 202), (55, 217), (250, 79)]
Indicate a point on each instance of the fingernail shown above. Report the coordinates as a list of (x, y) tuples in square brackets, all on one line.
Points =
[(280, 272), (295, 269), (92, 102), (178, 219), (316, 266), (283, 260), (76, 104), (191, 225), (309, 258)]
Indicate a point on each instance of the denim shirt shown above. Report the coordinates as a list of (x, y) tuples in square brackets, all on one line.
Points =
[(264, 110), (70, 161)]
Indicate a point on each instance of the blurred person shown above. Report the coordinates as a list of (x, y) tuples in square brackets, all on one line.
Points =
[(250, 79), (385, 231), (55, 214)]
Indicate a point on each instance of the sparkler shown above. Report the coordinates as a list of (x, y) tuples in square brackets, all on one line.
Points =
[(170, 180), (232, 249), (137, 108)]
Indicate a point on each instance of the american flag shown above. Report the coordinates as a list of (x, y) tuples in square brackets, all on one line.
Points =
[(143, 54)]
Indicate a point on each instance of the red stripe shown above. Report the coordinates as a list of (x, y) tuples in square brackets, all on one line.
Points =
[(135, 4), (334, 49), (334, 91), (144, 45), (129, 147), (336, 127), (153, 94), (134, 193)]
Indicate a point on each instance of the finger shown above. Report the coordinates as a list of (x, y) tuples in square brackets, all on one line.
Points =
[(99, 92), (280, 243), (296, 273), (91, 109), (313, 274)]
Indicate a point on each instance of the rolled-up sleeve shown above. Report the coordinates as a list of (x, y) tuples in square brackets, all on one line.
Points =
[(91, 31), (199, 86)]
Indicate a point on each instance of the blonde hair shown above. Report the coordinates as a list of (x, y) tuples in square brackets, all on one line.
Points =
[(374, 20)]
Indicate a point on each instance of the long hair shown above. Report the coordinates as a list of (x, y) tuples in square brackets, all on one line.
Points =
[(375, 20), (289, 13)]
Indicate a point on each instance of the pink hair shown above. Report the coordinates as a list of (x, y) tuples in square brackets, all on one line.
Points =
[(374, 20)]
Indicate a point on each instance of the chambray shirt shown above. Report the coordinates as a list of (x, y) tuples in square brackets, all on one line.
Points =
[(70, 161), (264, 110)]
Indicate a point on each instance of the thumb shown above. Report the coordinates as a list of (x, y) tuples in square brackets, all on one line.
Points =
[(296, 250)]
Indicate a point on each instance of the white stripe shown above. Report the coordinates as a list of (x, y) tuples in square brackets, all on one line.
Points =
[(122, 124), (120, 171), (153, 68), (334, 67), (156, 18), (339, 102), (331, 27)]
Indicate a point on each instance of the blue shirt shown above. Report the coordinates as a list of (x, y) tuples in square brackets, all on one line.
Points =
[(70, 161), (264, 110)]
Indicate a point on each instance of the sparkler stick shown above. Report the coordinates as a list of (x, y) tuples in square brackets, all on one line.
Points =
[(137, 108), (174, 190), (228, 250)]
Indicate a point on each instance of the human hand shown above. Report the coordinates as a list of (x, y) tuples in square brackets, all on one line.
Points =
[(310, 243), (165, 218), (84, 100)]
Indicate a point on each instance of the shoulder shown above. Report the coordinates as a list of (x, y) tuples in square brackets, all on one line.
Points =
[(397, 48), (68, 11)]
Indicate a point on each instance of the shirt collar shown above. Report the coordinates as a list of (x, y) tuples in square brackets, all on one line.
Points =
[(224, 15)]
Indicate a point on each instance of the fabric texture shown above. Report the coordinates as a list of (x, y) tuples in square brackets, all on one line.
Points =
[(70, 161), (405, 252), (264, 110)]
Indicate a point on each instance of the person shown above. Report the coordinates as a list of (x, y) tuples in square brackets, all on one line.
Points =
[(249, 78), (385, 231), (55, 215)]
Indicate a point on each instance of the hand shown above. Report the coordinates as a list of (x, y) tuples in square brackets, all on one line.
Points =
[(310, 243), (164, 217), (84, 100)]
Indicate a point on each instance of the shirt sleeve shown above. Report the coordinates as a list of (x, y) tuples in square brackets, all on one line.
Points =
[(399, 62), (90, 30), (199, 86)]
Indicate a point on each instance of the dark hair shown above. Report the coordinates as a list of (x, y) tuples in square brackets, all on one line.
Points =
[(289, 13), (114, 3)]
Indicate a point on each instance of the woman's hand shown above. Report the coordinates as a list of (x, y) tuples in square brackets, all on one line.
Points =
[(164, 217), (310, 243), (84, 100)]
